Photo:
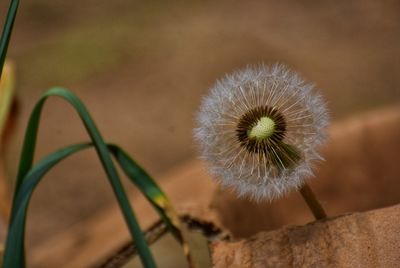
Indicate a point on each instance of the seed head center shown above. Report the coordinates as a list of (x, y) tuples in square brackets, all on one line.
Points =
[(264, 128)]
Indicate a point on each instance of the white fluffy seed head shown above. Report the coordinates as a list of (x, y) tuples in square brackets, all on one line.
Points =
[(261, 165)]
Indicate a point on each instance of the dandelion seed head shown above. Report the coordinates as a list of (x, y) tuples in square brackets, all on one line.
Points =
[(260, 129)]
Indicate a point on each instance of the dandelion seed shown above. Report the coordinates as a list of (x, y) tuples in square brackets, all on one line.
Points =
[(259, 129)]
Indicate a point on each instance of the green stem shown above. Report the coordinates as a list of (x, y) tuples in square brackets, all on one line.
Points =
[(312, 202)]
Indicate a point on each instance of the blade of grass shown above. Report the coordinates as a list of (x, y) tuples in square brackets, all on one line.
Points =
[(137, 175), (6, 95), (149, 188), (194, 245), (15, 238), (7, 30), (26, 162), (6, 100), (34, 176)]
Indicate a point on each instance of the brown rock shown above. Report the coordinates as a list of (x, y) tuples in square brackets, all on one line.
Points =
[(370, 239)]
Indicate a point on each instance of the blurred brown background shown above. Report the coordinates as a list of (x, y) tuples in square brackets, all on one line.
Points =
[(142, 67)]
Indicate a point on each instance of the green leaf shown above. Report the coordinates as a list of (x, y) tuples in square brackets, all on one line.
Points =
[(26, 161), (7, 30)]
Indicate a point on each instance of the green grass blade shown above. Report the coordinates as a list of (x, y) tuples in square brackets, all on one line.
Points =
[(13, 255), (7, 30), (194, 246), (137, 175), (27, 155), (149, 188)]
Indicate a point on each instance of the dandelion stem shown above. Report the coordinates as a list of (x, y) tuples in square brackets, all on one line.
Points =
[(312, 202)]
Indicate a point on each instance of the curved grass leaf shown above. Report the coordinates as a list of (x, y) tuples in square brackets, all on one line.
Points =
[(6, 127), (7, 30), (6, 95), (195, 246), (147, 186), (14, 250), (26, 162)]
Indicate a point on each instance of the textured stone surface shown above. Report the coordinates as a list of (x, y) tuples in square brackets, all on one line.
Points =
[(370, 239)]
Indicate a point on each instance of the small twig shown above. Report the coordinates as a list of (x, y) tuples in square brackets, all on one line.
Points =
[(155, 232), (125, 253)]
